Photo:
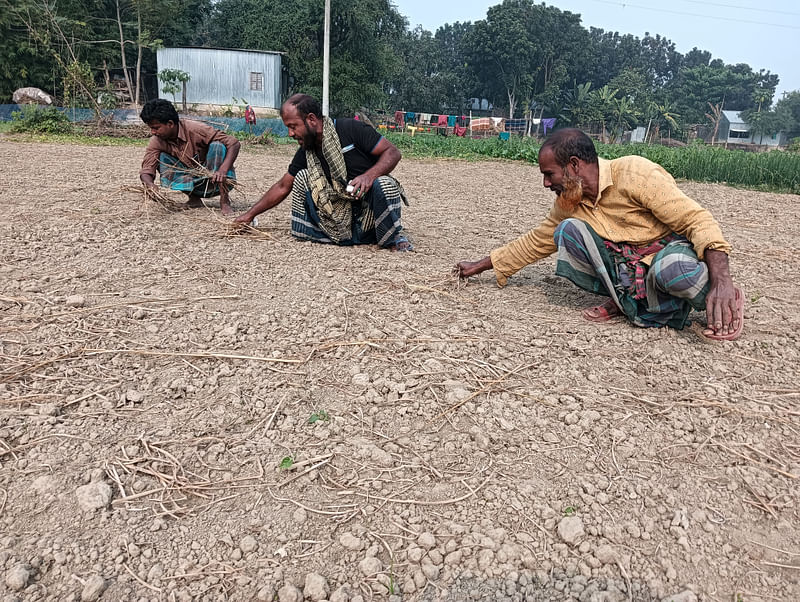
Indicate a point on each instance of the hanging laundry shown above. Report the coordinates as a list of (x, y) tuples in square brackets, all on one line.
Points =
[(399, 118), (515, 125), (459, 130), (442, 122), (451, 120), (411, 117), (434, 119), (481, 124), (548, 124), (424, 117)]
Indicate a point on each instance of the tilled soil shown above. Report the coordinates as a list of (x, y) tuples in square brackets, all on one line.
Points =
[(190, 415)]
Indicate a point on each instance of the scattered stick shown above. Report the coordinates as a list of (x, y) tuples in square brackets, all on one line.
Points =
[(782, 566), (763, 545), (141, 581), (155, 195), (200, 354)]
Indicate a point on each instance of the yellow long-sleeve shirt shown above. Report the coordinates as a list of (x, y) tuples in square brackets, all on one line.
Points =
[(637, 203)]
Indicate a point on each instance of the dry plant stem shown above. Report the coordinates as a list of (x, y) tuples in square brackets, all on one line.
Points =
[(763, 545), (200, 354), (141, 581)]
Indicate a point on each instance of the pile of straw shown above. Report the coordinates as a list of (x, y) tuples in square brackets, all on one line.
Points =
[(156, 195)]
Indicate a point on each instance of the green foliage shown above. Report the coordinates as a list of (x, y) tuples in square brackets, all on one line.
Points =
[(794, 145), (319, 416), (33, 119), (569, 510), (172, 81), (776, 170), (522, 50), (286, 463), (363, 34)]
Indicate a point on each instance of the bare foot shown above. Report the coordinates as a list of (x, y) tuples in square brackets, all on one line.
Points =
[(402, 246), (194, 202), (226, 209), (602, 313)]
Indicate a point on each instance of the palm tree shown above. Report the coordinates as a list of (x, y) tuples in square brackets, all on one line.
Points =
[(577, 108), (661, 115), (603, 106)]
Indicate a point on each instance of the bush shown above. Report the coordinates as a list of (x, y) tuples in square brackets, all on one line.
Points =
[(40, 120), (794, 145)]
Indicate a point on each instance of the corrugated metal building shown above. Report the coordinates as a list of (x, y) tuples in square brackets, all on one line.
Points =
[(733, 129), (218, 75)]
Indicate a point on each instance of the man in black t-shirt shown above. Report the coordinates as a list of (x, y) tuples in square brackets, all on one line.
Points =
[(339, 180)]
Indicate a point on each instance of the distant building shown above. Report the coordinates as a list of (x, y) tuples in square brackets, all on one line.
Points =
[(220, 75), (733, 129)]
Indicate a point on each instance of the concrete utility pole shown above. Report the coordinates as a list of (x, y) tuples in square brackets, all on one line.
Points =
[(326, 60)]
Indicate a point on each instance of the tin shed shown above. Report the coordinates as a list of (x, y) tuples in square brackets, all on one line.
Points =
[(219, 75)]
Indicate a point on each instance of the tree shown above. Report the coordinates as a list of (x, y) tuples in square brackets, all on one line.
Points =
[(789, 106), (363, 35), (715, 116), (174, 81), (579, 109), (524, 50), (602, 103)]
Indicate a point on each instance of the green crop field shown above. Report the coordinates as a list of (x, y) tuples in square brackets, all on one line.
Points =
[(777, 171)]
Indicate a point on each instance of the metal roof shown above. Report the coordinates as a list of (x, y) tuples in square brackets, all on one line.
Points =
[(733, 116), (231, 49)]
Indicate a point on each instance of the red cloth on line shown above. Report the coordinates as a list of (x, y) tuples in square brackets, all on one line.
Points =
[(442, 121), (459, 130), (399, 118)]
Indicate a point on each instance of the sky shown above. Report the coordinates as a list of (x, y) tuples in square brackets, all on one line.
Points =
[(763, 33)]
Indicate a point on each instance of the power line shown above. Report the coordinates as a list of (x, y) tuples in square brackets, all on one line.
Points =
[(759, 10), (685, 14)]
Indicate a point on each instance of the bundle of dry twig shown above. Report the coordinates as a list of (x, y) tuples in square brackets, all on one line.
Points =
[(230, 229), (155, 195), (201, 171)]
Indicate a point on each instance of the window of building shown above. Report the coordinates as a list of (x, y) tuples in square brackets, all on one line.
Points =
[(256, 81), (739, 134)]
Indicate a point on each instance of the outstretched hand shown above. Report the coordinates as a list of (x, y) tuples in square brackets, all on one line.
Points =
[(465, 269)]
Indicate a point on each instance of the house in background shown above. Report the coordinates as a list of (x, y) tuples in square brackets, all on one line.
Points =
[(733, 129), (220, 75)]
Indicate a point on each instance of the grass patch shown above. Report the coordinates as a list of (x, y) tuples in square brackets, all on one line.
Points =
[(79, 139), (776, 171)]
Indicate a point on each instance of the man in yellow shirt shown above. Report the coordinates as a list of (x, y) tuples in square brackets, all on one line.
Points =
[(623, 229)]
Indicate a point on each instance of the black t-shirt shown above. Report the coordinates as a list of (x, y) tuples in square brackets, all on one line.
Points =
[(358, 141)]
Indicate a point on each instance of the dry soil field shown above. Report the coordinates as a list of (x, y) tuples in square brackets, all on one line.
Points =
[(185, 415)]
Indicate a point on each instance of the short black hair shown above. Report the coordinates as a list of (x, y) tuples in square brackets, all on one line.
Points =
[(160, 110), (306, 105), (570, 142)]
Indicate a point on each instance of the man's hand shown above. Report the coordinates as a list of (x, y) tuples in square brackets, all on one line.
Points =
[(721, 307), (218, 177), (465, 269), (721, 310), (361, 185), (244, 218)]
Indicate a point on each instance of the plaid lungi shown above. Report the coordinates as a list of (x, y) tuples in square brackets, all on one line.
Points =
[(175, 175), (675, 282), (375, 218)]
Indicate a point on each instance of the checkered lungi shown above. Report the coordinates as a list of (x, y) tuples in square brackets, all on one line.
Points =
[(175, 175), (374, 219), (674, 283)]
